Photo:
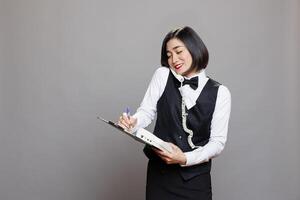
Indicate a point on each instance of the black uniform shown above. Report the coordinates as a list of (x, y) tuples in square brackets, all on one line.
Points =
[(165, 182)]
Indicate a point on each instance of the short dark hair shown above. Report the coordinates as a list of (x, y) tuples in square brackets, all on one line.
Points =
[(193, 43)]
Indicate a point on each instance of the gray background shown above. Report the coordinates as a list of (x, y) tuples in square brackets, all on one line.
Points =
[(65, 62)]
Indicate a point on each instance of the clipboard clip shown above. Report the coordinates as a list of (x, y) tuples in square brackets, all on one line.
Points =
[(111, 123)]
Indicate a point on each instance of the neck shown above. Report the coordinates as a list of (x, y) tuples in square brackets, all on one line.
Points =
[(191, 74)]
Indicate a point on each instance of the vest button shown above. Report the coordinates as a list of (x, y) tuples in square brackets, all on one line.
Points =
[(180, 137)]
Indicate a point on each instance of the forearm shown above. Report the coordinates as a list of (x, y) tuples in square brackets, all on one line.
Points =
[(144, 118), (147, 110), (218, 134), (203, 154)]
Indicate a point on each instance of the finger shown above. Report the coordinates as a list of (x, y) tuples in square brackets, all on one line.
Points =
[(164, 158), (133, 121), (163, 154), (126, 121), (126, 118), (158, 151), (168, 161), (166, 154), (123, 123), (174, 147), (130, 120)]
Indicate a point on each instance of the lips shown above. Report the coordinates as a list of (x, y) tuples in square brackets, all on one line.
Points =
[(178, 66)]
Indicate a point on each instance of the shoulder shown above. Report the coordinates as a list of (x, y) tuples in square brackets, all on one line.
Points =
[(162, 71), (224, 94), (161, 74), (224, 90)]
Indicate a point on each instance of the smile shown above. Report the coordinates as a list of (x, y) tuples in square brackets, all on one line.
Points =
[(178, 66)]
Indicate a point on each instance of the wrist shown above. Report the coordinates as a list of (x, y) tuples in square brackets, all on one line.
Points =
[(183, 160)]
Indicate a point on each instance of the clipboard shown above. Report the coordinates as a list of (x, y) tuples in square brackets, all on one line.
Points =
[(142, 136)]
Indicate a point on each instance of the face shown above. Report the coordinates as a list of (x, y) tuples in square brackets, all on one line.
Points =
[(179, 58)]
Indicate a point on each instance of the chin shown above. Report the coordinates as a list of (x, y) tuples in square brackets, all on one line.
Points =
[(182, 73)]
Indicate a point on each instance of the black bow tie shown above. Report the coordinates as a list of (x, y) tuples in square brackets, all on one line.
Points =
[(193, 82)]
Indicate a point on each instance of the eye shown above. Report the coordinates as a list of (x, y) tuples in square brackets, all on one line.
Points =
[(179, 52)]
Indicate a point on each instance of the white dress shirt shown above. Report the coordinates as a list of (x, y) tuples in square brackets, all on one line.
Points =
[(219, 124)]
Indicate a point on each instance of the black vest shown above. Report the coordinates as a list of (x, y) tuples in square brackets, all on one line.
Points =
[(169, 122)]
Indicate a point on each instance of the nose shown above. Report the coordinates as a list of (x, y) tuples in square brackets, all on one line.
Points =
[(174, 58)]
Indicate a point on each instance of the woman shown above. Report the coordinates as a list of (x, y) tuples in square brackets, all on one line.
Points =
[(192, 114)]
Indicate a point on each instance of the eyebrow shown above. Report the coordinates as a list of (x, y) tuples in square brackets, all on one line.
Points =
[(176, 47)]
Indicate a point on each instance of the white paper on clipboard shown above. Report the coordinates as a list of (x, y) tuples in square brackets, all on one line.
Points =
[(143, 136)]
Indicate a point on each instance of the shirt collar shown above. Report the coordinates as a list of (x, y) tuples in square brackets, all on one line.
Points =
[(189, 95), (201, 76)]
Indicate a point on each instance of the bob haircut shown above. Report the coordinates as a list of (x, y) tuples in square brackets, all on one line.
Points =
[(192, 42)]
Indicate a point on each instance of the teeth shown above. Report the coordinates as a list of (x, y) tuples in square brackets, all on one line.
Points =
[(178, 66)]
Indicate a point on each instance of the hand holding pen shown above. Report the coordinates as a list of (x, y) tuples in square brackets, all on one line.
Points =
[(126, 121)]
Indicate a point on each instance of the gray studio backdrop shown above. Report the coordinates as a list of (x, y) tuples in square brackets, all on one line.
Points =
[(65, 62)]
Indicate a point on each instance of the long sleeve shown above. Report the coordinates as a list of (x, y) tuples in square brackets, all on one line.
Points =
[(147, 110), (219, 129)]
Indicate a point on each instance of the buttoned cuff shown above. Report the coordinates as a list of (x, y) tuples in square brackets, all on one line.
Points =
[(195, 157), (188, 157)]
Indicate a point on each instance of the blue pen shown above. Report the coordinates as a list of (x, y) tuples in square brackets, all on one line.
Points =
[(127, 112)]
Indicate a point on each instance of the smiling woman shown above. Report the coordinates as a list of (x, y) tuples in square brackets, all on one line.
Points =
[(192, 115), (184, 45), (179, 58)]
